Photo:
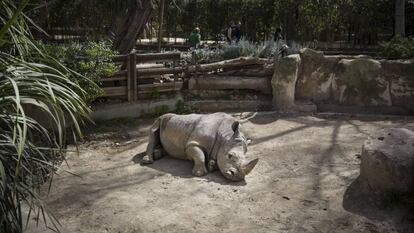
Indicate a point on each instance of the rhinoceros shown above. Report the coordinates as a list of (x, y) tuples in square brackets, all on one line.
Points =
[(211, 140)]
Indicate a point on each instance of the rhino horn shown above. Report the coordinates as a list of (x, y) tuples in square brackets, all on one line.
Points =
[(249, 166)]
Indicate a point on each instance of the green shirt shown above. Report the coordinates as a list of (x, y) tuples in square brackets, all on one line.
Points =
[(195, 39)]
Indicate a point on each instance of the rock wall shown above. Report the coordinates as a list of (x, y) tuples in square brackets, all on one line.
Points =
[(347, 81), (284, 80)]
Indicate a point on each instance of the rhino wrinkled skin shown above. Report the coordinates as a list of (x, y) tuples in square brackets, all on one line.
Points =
[(212, 141)]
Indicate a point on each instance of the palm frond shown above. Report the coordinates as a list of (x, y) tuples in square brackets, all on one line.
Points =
[(38, 103)]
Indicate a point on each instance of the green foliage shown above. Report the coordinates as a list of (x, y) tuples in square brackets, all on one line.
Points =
[(181, 108), (92, 18), (38, 102), (399, 47), (301, 20), (155, 94), (156, 111), (244, 48), (91, 61)]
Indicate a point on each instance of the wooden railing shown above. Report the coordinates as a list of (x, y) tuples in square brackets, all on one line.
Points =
[(127, 82), (135, 80)]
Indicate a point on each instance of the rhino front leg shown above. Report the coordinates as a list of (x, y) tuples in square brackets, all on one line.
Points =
[(154, 148), (197, 155)]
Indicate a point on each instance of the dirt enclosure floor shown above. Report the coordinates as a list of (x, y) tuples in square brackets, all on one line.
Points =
[(305, 181)]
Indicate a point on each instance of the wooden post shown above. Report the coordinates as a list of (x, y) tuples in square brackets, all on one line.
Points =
[(193, 58), (161, 19), (135, 79), (132, 77)]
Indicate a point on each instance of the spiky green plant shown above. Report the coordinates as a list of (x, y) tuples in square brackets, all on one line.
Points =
[(244, 48), (37, 100)]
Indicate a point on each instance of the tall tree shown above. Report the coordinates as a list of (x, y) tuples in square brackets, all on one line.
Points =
[(133, 25)]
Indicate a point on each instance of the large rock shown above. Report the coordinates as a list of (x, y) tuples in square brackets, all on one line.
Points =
[(317, 75), (284, 82), (359, 82), (387, 161), (400, 74), (356, 81)]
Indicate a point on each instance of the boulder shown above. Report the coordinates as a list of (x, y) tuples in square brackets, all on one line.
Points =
[(387, 161), (315, 82), (284, 82), (400, 73), (359, 82)]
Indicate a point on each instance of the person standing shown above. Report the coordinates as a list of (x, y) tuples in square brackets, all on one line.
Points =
[(195, 38), (278, 38), (278, 34), (230, 32), (237, 32)]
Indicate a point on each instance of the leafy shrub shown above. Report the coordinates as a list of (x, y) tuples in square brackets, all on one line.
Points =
[(399, 47), (39, 107), (89, 61), (244, 48)]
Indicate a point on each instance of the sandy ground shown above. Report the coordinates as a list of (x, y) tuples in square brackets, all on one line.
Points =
[(305, 181)]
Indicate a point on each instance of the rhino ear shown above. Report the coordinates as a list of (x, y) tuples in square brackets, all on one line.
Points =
[(236, 126)]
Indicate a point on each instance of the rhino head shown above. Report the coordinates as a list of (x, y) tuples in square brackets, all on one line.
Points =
[(232, 160)]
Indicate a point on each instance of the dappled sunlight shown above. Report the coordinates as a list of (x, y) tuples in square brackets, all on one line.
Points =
[(306, 165)]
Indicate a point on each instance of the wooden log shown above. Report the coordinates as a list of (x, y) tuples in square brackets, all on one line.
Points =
[(114, 91), (149, 66), (154, 77), (227, 64), (234, 63), (262, 70), (152, 57), (159, 71), (111, 79), (160, 87), (214, 82)]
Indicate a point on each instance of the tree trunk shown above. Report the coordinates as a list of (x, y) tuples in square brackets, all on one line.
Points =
[(133, 25), (400, 17), (161, 21)]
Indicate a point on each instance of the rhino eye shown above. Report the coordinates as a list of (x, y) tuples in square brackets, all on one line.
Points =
[(230, 155)]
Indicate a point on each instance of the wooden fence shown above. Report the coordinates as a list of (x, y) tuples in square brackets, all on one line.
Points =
[(136, 79), (133, 80)]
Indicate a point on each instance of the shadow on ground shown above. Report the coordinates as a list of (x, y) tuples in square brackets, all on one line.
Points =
[(182, 169), (360, 200)]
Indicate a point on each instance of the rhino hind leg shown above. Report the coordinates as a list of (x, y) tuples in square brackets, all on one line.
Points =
[(197, 155), (154, 148)]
